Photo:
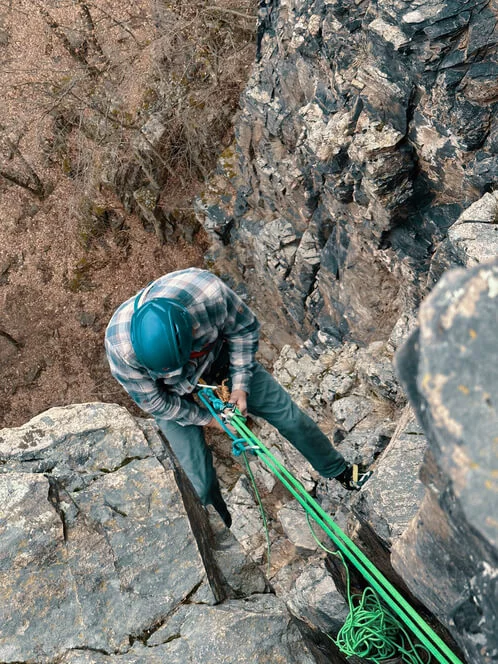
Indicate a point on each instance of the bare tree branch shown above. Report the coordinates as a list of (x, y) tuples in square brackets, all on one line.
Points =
[(119, 24), (59, 32), (95, 107), (14, 342), (87, 17), (21, 181), (66, 92), (32, 183), (224, 10)]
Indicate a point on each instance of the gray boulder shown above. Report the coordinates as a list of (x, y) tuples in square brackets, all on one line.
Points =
[(449, 554), (106, 554), (474, 236)]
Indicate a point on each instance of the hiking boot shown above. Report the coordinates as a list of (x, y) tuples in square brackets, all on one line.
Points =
[(354, 476)]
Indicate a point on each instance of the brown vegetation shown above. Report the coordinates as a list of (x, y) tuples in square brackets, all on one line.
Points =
[(113, 114)]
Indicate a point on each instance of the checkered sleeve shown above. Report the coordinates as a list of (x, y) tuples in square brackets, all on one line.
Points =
[(241, 330), (150, 396)]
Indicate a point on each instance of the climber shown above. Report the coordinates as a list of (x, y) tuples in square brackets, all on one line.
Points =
[(187, 325)]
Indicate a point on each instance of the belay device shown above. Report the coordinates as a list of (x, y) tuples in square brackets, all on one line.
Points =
[(377, 627)]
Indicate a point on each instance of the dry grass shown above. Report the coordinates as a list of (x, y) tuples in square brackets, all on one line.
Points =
[(80, 80)]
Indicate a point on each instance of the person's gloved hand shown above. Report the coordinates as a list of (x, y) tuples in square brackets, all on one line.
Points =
[(239, 398)]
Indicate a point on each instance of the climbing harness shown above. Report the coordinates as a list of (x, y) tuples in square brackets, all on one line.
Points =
[(371, 627)]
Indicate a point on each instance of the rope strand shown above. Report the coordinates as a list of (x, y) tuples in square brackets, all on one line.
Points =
[(261, 511)]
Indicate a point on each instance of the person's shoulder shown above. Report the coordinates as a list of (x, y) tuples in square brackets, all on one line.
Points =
[(190, 274), (196, 282), (117, 333)]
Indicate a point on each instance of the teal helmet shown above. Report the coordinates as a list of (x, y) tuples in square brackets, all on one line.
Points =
[(161, 334)]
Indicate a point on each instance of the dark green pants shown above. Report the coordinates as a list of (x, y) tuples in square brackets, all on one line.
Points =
[(269, 400)]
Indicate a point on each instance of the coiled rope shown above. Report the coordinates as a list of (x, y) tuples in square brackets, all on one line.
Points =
[(371, 631)]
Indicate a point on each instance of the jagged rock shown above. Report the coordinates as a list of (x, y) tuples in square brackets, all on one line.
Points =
[(257, 630), (265, 477), (284, 452), (350, 411), (317, 382), (405, 324), (334, 386), (314, 598), (366, 129), (392, 496), (247, 525), (449, 372), (322, 387), (240, 571), (374, 367), (366, 445), (103, 542), (295, 526), (474, 236)]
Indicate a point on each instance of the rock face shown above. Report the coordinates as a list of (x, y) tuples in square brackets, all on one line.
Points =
[(98, 559), (106, 554), (450, 373), (391, 498), (366, 129), (364, 168)]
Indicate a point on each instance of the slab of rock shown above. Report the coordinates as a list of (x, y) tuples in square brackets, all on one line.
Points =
[(314, 598), (258, 630), (350, 411), (449, 554), (106, 556), (76, 445), (287, 455), (295, 526), (95, 567), (392, 496), (474, 236), (247, 524), (375, 368), (366, 445)]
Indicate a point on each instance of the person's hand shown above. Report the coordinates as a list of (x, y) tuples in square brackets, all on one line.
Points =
[(214, 424), (239, 398)]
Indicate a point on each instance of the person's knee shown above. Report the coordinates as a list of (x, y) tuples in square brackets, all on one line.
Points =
[(204, 496), (292, 420), (201, 489)]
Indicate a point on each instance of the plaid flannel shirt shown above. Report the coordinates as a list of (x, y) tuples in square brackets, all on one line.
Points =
[(217, 313)]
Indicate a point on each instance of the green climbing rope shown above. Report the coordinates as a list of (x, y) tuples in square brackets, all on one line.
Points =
[(370, 630), (381, 588), (261, 509)]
